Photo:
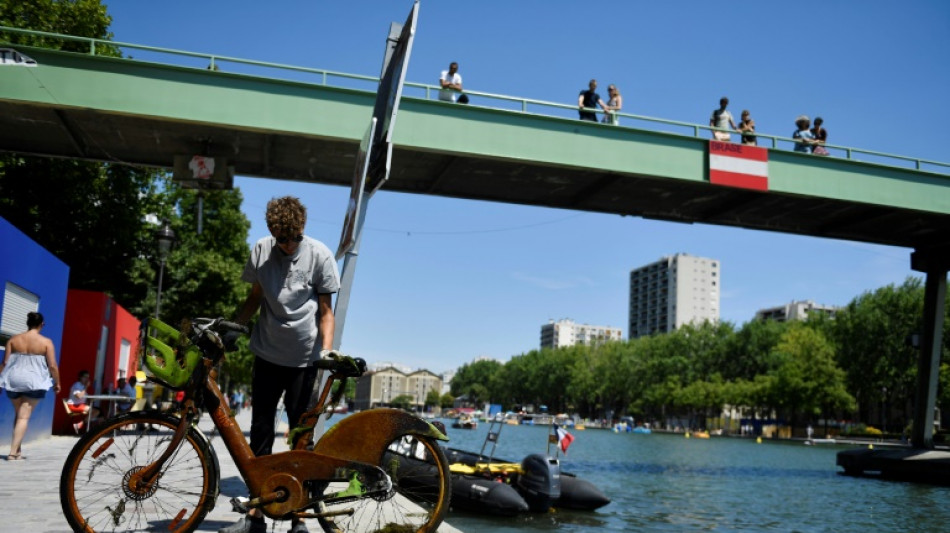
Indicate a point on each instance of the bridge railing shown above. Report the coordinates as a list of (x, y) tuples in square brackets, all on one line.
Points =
[(169, 56)]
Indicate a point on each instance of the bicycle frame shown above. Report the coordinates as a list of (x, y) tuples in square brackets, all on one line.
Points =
[(348, 452)]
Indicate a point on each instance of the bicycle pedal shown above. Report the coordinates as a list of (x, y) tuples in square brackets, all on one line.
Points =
[(239, 505)]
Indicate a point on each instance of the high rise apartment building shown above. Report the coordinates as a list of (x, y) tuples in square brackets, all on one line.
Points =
[(565, 332), (671, 292)]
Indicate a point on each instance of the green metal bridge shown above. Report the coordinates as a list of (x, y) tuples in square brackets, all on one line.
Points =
[(294, 123)]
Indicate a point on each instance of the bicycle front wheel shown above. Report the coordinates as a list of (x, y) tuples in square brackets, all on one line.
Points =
[(417, 502), (95, 488)]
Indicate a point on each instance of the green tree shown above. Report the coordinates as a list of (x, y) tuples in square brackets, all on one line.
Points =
[(203, 272), (473, 380), (94, 222), (808, 381), (446, 401), (433, 398), (750, 350), (872, 335), (83, 18), (403, 401)]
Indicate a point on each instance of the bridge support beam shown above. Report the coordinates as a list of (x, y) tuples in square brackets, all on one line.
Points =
[(934, 262)]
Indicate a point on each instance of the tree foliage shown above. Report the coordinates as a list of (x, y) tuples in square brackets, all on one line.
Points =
[(100, 218), (800, 371), (84, 18)]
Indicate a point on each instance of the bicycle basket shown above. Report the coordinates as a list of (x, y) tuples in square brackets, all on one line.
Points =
[(172, 367)]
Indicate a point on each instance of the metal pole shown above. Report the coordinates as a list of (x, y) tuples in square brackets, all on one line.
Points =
[(201, 210), (935, 265), (339, 312), (158, 297)]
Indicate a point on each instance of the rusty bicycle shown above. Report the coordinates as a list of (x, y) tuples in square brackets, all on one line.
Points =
[(150, 471)]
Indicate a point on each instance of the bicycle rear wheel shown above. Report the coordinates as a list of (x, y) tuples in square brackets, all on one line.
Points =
[(417, 502), (94, 487)]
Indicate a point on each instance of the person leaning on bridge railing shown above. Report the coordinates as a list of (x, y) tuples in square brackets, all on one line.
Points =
[(806, 139), (821, 136), (723, 120), (747, 128), (614, 105), (589, 99), (451, 83)]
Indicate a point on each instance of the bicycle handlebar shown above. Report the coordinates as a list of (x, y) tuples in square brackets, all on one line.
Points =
[(341, 364), (232, 326), (349, 366)]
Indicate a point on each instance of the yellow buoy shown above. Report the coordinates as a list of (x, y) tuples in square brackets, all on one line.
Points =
[(687, 434), (758, 440), (870, 446)]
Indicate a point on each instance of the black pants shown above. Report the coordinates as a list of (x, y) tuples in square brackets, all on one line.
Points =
[(268, 383)]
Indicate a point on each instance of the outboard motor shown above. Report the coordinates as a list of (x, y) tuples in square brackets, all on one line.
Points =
[(540, 482)]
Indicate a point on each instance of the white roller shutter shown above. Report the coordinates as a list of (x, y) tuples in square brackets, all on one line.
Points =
[(17, 302)]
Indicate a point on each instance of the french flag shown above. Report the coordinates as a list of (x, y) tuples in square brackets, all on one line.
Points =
[(564, 439), (739, 165)]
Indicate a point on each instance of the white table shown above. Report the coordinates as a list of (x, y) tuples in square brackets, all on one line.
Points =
[(113, 399)]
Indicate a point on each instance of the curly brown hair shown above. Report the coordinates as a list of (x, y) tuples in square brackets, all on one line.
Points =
[(286, 216)]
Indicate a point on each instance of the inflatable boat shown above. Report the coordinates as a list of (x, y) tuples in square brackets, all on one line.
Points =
[(485, 484)]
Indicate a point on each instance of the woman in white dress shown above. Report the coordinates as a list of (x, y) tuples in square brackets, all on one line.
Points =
[(27, 372)]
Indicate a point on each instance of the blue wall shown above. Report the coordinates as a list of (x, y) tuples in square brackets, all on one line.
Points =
[(30, 266)]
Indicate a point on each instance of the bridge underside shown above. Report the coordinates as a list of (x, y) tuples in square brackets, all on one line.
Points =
[(96, 135)]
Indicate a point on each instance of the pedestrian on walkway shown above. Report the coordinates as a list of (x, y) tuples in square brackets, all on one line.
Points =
[(26, 373)]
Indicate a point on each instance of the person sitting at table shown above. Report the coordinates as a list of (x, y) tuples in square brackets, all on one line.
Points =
[(127, 389), (77, 396)]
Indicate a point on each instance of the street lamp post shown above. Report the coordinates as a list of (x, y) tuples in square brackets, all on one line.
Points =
[(164, 237)]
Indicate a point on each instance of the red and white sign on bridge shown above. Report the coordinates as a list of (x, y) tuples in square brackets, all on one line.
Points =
[(738, 165)]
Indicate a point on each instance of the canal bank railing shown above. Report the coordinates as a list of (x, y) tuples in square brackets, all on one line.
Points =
[(235, 65)]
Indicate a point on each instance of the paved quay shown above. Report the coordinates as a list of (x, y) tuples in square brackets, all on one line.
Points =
[(29, 489)]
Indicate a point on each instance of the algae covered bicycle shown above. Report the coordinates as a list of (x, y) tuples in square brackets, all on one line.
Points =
[(150, 471)]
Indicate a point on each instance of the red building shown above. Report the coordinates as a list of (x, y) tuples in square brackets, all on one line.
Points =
[(100, 336)]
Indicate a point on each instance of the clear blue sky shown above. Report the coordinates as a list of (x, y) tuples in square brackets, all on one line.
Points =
[(443, 281)]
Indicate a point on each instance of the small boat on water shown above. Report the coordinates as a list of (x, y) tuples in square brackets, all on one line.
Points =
[(485, 484), (642, 430), (465, 421)]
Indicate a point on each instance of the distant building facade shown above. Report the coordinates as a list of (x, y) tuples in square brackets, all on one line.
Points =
[(566, 332), (381, 386), (799, 310), (676, 290)]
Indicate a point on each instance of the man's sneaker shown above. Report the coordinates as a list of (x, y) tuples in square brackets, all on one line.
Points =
[(246, 525), (299, 527)]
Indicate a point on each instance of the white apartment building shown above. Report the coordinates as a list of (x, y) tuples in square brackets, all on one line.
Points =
[(798, 310), (381, 386), (565, 332), (676, 290)]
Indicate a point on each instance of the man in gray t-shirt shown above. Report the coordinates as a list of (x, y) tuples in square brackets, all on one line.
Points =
[(291, 287), (293, 280)]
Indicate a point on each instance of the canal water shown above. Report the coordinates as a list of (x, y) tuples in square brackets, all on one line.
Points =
[(664, 482)]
